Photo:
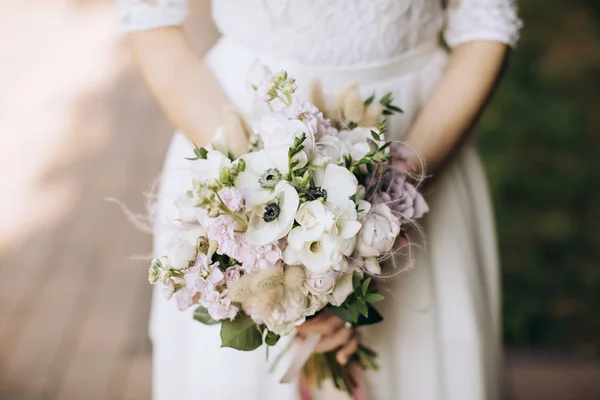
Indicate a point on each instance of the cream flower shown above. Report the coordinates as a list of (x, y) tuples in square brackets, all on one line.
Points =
[(345, 227), (318, 256), (355, 142), (379, 231), (313, 220), (279, 132), (273, 219)]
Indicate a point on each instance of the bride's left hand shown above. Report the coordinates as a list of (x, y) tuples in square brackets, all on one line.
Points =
[(336, 335)]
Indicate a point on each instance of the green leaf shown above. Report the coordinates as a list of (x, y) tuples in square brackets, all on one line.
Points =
[(375, 135), (356, 281), (369, 100), (392, 107), (201, 314), (385, 146), (385, 100), (353, 311), (200, 152), (373, 146), (271, 338), (373, 318), (365, 286), (342, 313), (387, 112), (373, 297), (362, 307), (240, 334)]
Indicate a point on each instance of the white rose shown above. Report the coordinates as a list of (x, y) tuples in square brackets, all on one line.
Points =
[(355, 141), (321, 284), (379, 231), (278, 131), (329, 149)]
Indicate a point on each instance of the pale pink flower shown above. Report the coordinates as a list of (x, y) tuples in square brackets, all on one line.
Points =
[(167, 288), (219, 306), (311, 116), (221, 230), (185, 298), (256, 258), (233, 273), (232, 198)]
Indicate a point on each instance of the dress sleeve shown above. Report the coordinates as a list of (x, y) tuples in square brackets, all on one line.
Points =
[(471, 20), (139, 15)]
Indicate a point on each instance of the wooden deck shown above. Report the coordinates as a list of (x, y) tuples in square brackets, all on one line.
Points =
[(77, 125)]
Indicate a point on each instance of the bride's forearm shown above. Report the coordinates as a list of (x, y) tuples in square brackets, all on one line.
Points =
[(185, 88), (456, 102)]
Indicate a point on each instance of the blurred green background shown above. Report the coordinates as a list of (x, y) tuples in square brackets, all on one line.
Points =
[(540, 143)]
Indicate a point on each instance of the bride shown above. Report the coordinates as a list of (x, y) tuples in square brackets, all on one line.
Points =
[(441, 336)]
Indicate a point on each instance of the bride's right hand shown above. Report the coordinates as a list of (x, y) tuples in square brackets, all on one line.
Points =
[(335, 335)]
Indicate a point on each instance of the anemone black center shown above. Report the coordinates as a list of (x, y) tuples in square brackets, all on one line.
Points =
[(270, 178), (272, 211), (316, 192)]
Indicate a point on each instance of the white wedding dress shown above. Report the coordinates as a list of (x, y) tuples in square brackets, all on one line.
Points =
[(441, 336)]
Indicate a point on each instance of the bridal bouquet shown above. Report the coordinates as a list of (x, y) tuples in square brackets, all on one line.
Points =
[(288, 216)]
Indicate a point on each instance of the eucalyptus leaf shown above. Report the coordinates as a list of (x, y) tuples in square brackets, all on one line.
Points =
[(240, 334)]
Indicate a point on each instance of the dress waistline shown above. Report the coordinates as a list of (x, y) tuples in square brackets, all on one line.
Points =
[(409, 62)]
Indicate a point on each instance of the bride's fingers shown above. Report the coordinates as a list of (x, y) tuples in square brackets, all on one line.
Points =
[(326, 325), (335, 340), (344, 354)]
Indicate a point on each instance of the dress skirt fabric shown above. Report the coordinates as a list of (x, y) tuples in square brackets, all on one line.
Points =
[(440, 336)]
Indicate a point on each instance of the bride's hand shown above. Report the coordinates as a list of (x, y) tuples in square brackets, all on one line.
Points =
[(336, 335)]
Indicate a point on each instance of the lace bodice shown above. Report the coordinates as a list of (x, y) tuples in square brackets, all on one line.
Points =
[(338, 32)]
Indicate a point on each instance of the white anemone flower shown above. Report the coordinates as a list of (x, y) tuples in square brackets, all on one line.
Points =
[(260, 177), (336, 185), (273, 219)]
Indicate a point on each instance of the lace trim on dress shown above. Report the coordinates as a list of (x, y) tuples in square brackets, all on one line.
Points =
[(137, 15), (469, 20)]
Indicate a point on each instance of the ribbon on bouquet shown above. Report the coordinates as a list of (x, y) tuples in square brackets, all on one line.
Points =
[(288, 364)]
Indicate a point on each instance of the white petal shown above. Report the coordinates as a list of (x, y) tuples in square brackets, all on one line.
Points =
[(339, 183)]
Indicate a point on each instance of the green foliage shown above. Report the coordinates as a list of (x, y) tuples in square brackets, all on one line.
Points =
[(357, 308), (200, 152), (201, 315), (271, 338), (539, 140), (240, 334)]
